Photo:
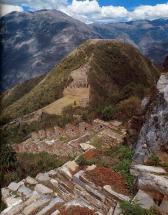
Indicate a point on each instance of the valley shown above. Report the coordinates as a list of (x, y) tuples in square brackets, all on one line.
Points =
[(84, 123)]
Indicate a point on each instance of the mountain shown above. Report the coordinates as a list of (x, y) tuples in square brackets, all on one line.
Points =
[(151, 37), (165, 64), (97, 73), (32, 43)]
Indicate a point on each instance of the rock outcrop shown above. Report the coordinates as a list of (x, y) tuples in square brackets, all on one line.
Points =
[(153, 137)]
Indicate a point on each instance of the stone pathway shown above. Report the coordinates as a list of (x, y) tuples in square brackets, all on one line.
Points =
[(63, 187)]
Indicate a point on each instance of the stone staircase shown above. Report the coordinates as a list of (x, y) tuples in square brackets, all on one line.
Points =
[(64, 187)]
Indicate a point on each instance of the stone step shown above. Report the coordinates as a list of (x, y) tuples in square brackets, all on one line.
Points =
[(51, 207), (42, 189), (139, 169), (117, 196), (33, 208)]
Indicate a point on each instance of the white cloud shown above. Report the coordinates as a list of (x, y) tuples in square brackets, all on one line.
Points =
[(91, 11), (6, 8), (149, 12), (38, 4)]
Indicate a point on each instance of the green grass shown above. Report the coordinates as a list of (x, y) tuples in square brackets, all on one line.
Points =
[(96, 142), (124, 155), (115, 67), (15, 93), (81, 161), (31, 164), (132, 208)]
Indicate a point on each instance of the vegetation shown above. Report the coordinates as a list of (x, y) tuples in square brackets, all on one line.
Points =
[(31, 164), (82, 161), (48, 90), (17, 133), (8, 164), (154, 160), (12, 95), (128, 108), (132, 208), (109, 113), (124, 155), (96, 141), (117, 72)]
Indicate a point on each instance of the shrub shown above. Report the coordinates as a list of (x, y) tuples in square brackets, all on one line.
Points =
[(81, 161), (132, 208), (31, 164), (124, 155), (153, 160), (96, 141), (129, 107), (108, 113)]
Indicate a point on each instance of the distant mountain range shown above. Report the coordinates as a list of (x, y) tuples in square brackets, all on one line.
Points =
[(151, 37), (33, 43)]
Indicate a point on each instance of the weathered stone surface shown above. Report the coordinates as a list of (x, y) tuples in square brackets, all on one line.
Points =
[(40, 188), (154, 183), (51, 206), (54, 182), (140, 169), (98, 213), (42, 177), (31, 181), (154, 132), (5, 193), (13, 210), (164, 206), (116, 195), (57, 212), (31, 209), (25, 191), (144, 199), (14, 186), (86, 146), (52, 173), (110, 212), (68, 168), (117, 210), (92, 167), (11, 201)]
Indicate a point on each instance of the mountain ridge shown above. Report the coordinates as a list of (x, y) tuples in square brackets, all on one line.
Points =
[(34, 42)]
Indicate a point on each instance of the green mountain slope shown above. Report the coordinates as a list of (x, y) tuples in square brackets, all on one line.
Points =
[(115, 72)]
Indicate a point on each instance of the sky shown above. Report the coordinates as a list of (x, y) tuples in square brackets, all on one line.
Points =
[(90, 11)]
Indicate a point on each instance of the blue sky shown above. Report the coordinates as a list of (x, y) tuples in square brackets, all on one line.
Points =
[(131, 4), (90, 11)]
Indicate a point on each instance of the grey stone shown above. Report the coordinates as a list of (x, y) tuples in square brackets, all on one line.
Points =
[(57, 212), (164, 206), (14, 186), (51, 206), (117, 210), (12, 200), (154, 183), (32, 208), (40, 188), (140, 169), (25, 191), (116, 195), (31, 181), (43, 177), (144, 199), (86, 147)]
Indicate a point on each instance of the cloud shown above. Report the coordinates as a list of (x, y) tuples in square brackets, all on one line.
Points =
[(90, 10), (38, 4), (6, 8), (150, 12)]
